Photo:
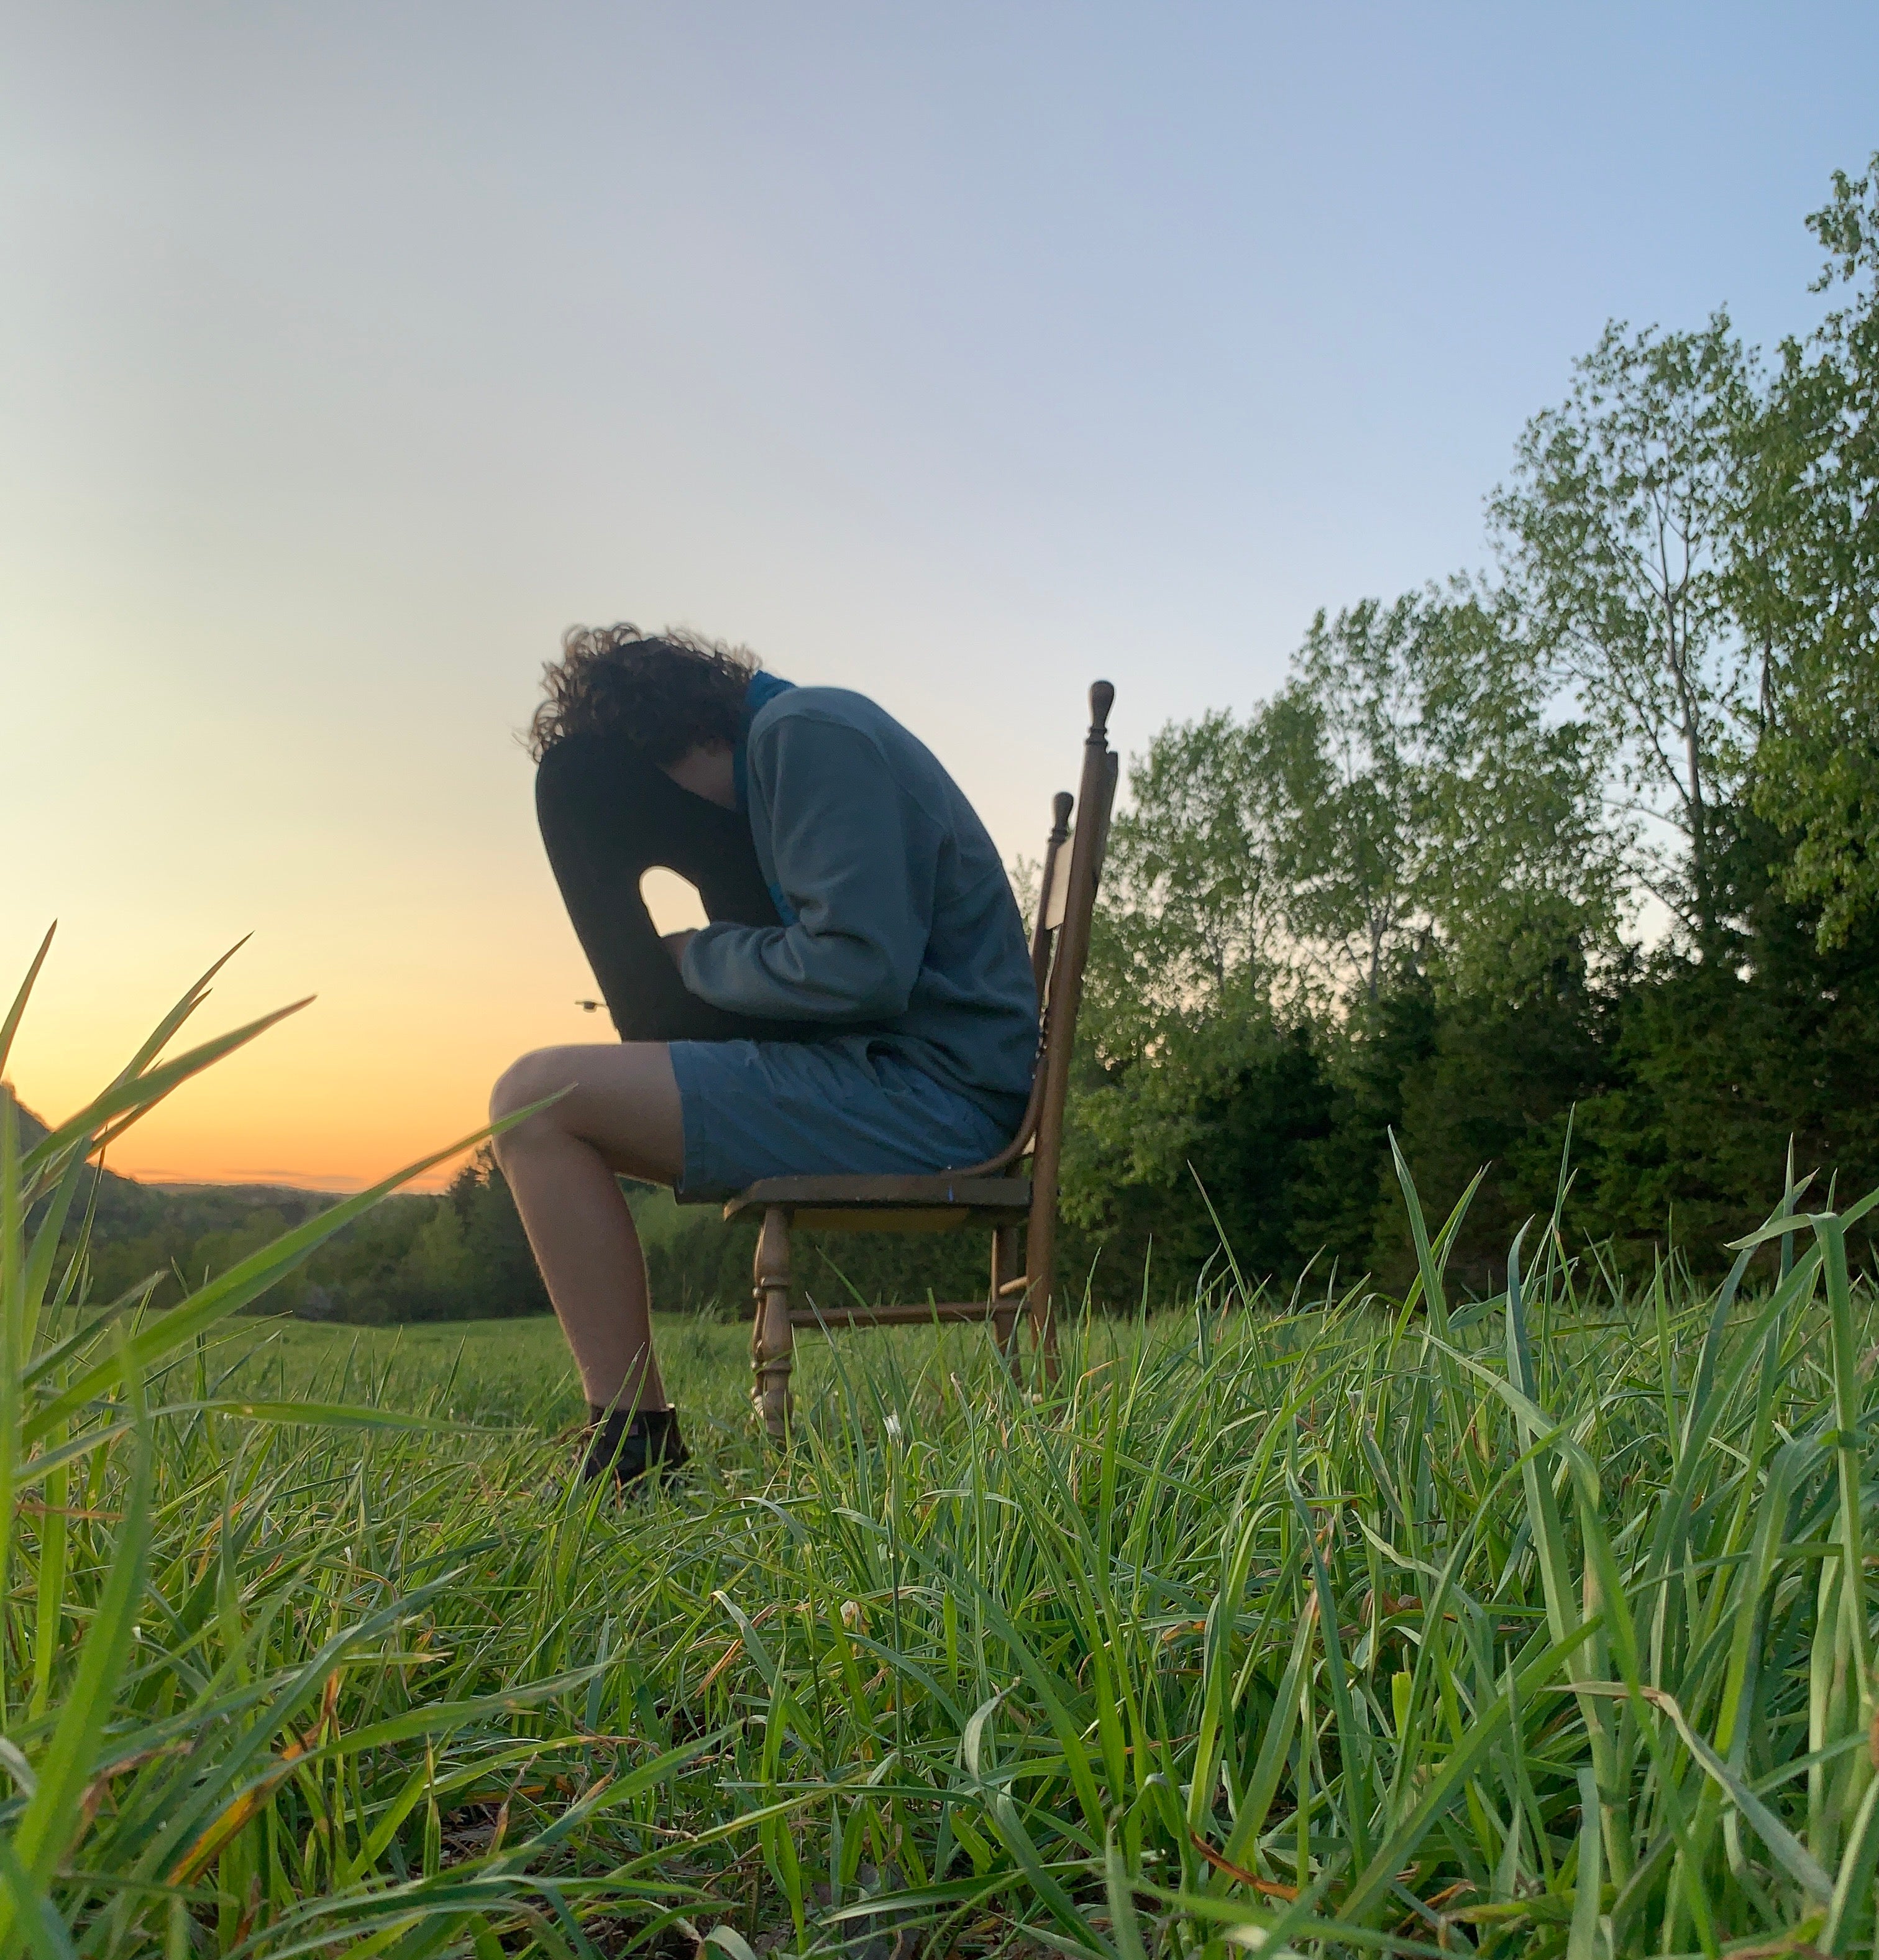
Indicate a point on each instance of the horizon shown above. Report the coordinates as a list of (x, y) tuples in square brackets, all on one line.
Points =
[(958, 361)]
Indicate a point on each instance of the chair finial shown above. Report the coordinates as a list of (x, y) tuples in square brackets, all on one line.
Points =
[(1102, 696), (1061, 804)]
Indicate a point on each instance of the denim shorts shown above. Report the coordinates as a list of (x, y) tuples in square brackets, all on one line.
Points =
[(851, 1104)]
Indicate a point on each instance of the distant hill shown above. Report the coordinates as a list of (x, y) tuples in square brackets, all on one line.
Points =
[(239, 1194), (34, 1130), (124, 1205), (123, 1202)]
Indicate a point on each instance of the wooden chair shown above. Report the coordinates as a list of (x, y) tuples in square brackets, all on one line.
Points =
[(990, 1194)]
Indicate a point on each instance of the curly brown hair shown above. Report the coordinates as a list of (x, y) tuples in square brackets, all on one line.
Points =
[(663, 692)]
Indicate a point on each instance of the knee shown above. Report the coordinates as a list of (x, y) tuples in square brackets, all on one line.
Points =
[(532, 1079)]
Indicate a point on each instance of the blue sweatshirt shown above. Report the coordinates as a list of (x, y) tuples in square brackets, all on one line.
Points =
[(898, 918)]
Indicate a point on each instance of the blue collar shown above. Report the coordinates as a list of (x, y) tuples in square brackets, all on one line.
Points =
[(764, 688)]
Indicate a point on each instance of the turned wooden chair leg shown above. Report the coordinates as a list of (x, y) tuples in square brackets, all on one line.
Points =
[(1044, 1337), (1006, 1268), (772, 1339), (1038, 1310)]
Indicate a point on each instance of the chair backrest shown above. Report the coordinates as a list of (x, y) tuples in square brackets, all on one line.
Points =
[(1060, 951)]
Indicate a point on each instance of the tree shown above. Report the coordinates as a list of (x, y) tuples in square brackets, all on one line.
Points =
[(1523, 868), (1403, 812), (438, 1273), (1211, 1138), (1405, 798), (1435, 815), (503, 1281), (1342, 741), (1620, 534), (1186, 913), (1813, 579)]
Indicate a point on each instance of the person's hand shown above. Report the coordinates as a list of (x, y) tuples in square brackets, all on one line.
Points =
[(675, 943)]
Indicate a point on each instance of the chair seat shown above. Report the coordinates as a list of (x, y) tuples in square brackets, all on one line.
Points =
[(938, 1203)]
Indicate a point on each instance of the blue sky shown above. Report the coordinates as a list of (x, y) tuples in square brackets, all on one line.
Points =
[(956, 354)]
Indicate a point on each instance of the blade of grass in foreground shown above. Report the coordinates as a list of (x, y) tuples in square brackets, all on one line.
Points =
[(11, 1026), (46, 1826)]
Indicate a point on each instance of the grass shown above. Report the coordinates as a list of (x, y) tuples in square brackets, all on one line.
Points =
[(1538, 1625), (490, 1372)]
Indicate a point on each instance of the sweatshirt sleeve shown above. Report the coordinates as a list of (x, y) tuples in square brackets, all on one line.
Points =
[(855, 862)]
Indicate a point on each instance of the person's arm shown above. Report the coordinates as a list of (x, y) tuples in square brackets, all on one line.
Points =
[(856, 858)]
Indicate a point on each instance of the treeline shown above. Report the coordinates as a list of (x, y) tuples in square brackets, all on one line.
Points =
[(1585, 842)]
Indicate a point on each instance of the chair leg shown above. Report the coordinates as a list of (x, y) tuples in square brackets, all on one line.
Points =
[(1039, 1311), (1005, 1268), (772, 1339)]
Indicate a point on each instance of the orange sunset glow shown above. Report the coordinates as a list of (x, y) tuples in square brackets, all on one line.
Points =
[(388, 1067)]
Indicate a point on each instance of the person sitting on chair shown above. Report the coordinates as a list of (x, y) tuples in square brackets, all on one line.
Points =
[(862, 1002)]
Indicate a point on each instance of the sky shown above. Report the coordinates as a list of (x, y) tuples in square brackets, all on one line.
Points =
[(958, 354)]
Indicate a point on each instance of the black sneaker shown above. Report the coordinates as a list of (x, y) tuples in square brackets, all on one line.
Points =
[(632, 1448)]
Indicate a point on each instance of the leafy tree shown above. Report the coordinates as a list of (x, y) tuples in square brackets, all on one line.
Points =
[(216, 1252), (1523, 870), (503, 1279), (1713, 1071), (1403, 814), (1342, 737), (1405, 799), (1621, 532), (1494, 1090), (1370, 1057), (1187, 911), (438, 1269), (1436, 818), (1812, 580), (1209, 1136)]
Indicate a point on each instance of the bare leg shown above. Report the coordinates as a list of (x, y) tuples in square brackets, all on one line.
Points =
[(621, 1114)]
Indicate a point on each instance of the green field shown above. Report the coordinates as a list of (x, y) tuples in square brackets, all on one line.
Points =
[(518, 1371), (1516, 1626)]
